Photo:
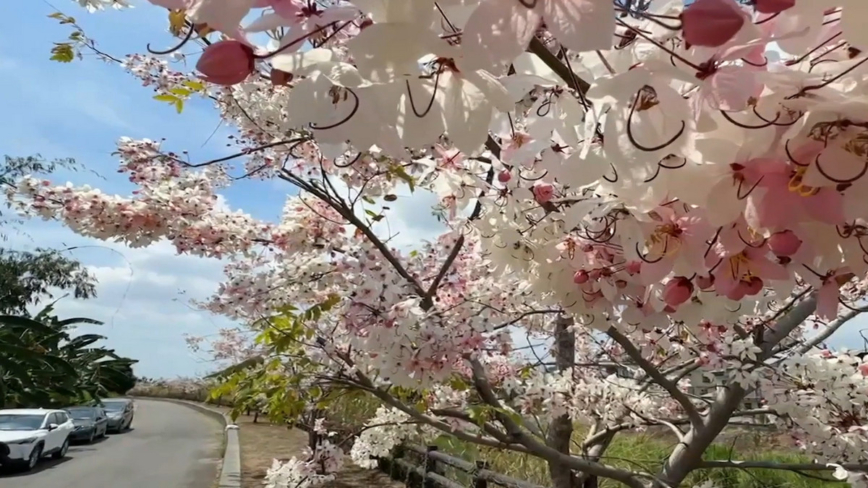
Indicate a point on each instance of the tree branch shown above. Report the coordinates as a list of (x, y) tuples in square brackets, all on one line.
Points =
[(539, 449), (781, 466), (658, 377), (570, 78), (688, 454), (828, 331)]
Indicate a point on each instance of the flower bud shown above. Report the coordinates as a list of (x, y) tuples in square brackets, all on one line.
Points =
[(581, 277), (773, 6), (504, 176), (712, 23), (677, 291), (226, 63), (543, 192), (784, 243), (754, 286)]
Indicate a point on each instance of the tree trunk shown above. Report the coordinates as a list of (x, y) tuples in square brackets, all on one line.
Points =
[(561, 429)]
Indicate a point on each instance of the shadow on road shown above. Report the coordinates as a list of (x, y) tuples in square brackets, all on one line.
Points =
[(78, 446), (44, 465)]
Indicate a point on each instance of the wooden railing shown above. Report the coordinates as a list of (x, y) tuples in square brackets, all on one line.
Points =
[(429, 470)]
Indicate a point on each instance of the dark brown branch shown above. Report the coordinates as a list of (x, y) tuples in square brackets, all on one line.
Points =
[(658, 377)]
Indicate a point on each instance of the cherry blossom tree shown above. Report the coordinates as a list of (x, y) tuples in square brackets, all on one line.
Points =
[(650, 189)]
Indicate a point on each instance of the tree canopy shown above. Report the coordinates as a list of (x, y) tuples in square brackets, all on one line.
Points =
[(635, 197)]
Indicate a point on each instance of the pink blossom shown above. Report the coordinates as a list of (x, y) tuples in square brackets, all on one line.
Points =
[(172, 4), (784, 200), (543, 192), (743, 274), (784, 243)]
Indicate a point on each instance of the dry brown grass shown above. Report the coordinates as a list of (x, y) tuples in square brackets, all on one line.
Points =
[(262, 442)]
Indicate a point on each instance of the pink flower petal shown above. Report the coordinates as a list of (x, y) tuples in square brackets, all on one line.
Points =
[(827, 301), (497, 32), (581, 25), (172, 4)]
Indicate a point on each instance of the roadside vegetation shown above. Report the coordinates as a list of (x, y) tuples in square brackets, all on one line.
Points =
[(349, 413), (43, 361)]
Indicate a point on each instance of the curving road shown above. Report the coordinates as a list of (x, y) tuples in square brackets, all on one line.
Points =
[(169, 446)]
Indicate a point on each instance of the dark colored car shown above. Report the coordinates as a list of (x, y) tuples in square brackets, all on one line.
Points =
[(120, 413), (90, 423)]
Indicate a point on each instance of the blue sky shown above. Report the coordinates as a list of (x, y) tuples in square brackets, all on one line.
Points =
[(79, 110)]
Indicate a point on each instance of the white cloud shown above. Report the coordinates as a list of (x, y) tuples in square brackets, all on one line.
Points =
[(143, 297)]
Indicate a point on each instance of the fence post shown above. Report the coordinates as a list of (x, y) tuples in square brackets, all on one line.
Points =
[(430, 467), (477, 481), (394, 469)]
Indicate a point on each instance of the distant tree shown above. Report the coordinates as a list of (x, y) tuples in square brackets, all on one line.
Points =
[(42, 363), (28, 277)]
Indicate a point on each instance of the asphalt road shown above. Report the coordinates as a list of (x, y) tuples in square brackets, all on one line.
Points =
[(169, 446)]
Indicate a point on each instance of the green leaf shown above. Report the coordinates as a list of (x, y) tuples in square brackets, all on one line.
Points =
[(78, 320), (181, 92), (194, 85), (401, 173), (172, 100), (62, 52), (14, 321), (166, 98)]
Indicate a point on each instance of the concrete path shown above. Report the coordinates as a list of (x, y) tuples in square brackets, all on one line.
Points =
[(169, 446)]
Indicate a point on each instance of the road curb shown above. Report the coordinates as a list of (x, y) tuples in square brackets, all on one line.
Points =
[(230, 472)]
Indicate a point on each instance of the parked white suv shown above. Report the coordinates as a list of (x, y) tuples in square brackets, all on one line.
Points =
[(26, 435)]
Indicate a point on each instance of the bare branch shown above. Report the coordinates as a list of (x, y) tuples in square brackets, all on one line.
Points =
[(541, 450), (636, 355), (830, 329), (782, 466)]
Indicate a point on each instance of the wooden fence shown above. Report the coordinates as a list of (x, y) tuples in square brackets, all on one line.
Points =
[(431, 466)]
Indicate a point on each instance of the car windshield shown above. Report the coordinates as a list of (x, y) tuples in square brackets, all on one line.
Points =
[(81, 413), (114, 406), (21, 422)]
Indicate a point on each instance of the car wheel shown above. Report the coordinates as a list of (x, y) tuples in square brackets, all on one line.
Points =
[(63, 449), (34, 458)]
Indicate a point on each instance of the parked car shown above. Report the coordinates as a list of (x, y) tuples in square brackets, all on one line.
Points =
[(120, 412), (26, 435), (90, 423)]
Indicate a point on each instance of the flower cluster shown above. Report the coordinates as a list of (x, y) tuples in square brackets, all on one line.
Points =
[(318, 468)]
